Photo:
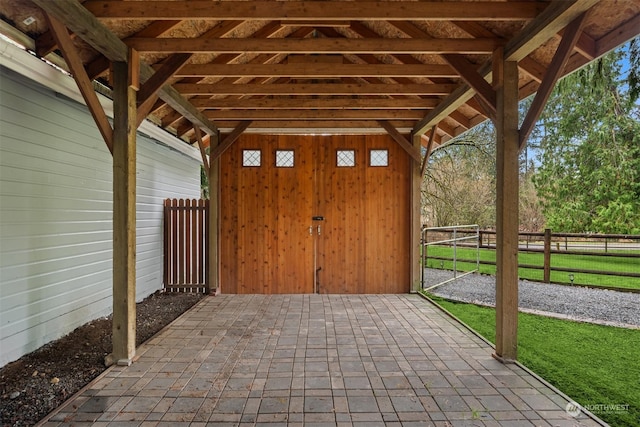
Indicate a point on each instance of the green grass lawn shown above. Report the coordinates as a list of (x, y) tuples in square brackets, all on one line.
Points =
[(586, 262), (592, 364)]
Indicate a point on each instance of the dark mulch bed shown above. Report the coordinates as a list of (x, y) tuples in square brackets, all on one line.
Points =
[(39, 382)]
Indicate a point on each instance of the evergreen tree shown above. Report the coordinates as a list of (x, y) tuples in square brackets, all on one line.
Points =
[(589, 172)]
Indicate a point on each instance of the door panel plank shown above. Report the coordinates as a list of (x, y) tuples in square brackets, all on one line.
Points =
[(266, 213)]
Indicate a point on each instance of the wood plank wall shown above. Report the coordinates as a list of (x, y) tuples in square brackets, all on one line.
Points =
[(266, 212)]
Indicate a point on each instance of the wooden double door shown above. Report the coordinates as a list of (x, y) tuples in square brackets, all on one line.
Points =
[(305, 214)]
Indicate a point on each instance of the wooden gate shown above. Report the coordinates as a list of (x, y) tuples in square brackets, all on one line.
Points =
[(298, 218), (186, 245)]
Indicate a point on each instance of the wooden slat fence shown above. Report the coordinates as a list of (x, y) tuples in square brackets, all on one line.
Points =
[(185, 245)]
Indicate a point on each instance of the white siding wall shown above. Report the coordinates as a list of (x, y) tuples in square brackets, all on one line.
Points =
[(56, 210)]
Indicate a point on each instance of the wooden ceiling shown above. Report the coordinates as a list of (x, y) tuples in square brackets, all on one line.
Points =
[(324, 66)]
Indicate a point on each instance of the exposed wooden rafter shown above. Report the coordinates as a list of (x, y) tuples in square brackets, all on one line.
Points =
[(316, 71), (299, 103), (548, 23), (302, 89), (86, 26), (100, 65), (315, 11), (315, 45), (314, 114), (333, 60)]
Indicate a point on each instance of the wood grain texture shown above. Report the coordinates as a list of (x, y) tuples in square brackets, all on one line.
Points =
[(507, 141), (266, 212), (124, 217), (363, 244)]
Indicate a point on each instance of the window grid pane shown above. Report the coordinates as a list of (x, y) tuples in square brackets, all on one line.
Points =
[(284, 158), (251, 158), (378, 158), (346, 158)]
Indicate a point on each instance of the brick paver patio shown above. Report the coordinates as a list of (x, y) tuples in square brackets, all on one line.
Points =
[(316, 360)]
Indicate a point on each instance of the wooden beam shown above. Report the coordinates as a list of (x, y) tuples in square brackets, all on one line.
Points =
[(554, 71), (533, 68), (586, 46), (46, 43), (618, 35), (314, 11), (147, 94), (133, 62), (461, 119), (301, 89), (216, 152), (63, 40), (407, 146), (507, 177), (124, 217), (316, 71), (315, 24), (314, 45), (470, 75), (267, 30), (415, 209), (315, 115), (527, 64), (427, 155), (213, 221), (487, 109), (466, 70), (299, 103), (161, 76), (550, 21), (205, 160), (285, 126), (100, 65), (78, 19)]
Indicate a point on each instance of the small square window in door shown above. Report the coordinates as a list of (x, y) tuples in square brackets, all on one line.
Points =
[(345, 158), (284, 158), (378, 158), (251, 158)]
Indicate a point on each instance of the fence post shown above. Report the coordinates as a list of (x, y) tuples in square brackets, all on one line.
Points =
[(455, 252), (478, 237), (547, 255), (165, 241)]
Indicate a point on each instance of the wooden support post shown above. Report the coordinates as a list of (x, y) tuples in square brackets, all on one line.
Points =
[(547, 255), (416, 224), (213, 223), (507, 209), (124, 217)]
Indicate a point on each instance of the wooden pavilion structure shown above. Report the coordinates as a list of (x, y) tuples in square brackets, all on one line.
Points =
[(418, 72)]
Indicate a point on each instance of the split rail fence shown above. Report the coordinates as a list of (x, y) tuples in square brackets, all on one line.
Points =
[(623, 250), (186, 239)]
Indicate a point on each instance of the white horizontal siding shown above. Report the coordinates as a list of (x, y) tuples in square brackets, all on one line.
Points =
[(161, 175), (56, 211)]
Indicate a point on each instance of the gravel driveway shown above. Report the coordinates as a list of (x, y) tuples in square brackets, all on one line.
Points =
[(583, 304)]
